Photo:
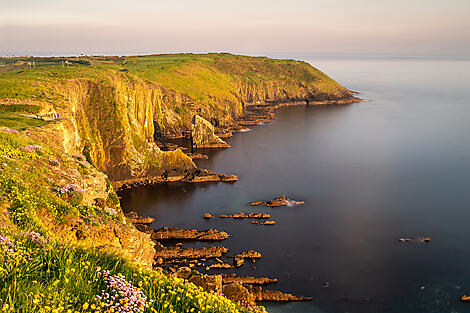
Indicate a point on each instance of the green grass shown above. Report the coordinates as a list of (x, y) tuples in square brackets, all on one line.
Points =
[(47, 277), (16, 121), (203, 77), (28, 183)]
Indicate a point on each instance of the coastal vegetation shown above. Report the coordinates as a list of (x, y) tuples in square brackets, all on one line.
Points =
[(73, 128), (111, 108), (43, 270)]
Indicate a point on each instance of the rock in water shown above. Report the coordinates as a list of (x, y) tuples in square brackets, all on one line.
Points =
[(203, 136), (208, 216), (273, 296), (232, 278), (178, 253), (134, 218), (279, 201), (188, 234), (252, 254)]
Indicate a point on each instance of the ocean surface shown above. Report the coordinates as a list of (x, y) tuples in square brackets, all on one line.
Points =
[(396, 165)]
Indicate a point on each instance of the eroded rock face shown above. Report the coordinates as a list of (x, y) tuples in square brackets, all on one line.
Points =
[(179, 253), (202, 132), (188, 234), (238, 293)]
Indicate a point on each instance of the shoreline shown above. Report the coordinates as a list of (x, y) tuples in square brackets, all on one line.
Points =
[(255, 114)]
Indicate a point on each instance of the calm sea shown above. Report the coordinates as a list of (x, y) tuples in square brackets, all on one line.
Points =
[(396, 165)]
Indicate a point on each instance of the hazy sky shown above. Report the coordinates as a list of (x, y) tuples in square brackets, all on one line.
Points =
[(272, 27)]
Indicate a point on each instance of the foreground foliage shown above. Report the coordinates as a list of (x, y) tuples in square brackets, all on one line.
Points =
[(37, 276)]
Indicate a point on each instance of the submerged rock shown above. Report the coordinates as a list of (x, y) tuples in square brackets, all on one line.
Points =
[(238, 262), (279, 201), (269, 223)]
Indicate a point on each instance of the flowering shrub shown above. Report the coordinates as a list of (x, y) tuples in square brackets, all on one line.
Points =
[(59, 278), (111, 211), (35, 237), (4, 129), (32, 149), (72, 193), (121, 296), (7, 245)]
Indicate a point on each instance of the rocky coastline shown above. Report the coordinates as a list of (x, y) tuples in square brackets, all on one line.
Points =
[(189, 263), (208, 135)]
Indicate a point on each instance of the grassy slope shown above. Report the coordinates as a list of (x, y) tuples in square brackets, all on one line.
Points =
[(37, 277), (58, 276), (202, 77)]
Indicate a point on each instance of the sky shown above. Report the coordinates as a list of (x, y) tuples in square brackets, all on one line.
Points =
[(254, 27)]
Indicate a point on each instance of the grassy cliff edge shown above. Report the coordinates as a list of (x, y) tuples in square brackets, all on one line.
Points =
[(111, 108)]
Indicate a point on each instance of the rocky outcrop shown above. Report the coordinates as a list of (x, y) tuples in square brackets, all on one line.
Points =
[(134, 218), (242, 215), (232, 278), (238, 293), (279, 201), (251, 254), (202, 134), (188, 234), (260, 294), (179, 253)]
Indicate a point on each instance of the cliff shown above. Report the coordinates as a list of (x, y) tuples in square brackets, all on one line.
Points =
[(110, 109)]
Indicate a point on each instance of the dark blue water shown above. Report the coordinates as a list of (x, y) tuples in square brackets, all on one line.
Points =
[(397, 165)]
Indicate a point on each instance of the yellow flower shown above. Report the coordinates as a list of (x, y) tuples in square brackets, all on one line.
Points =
[(85, 305)]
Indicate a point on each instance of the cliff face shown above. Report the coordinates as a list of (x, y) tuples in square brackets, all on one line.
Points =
[(110, 109)]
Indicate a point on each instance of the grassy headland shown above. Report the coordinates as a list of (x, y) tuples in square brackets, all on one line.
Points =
[(110, 108)]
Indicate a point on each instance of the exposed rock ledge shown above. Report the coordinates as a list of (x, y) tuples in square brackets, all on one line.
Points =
[(179, 253), (188, 234), (195, 176), (232, 278)]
